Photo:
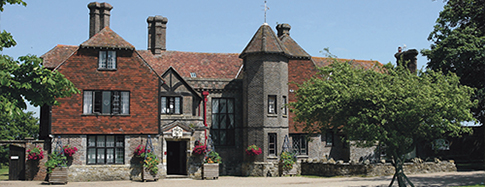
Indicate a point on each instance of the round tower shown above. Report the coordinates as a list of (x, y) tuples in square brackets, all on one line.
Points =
[(265, 94)]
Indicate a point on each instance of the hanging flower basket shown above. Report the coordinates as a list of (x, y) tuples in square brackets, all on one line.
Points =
[(35, 154), (200, 150), (150, 161), (140, 150), (253, 150), (150, 166), (69, 150)]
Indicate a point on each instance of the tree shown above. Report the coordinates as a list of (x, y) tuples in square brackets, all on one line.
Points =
[(17, 127), (459, 46), (24, 80), (386, 105)]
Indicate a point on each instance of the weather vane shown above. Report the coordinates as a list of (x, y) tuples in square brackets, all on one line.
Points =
[(266, 8)]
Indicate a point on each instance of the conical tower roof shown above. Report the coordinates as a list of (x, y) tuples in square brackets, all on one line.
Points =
[(264, 41)]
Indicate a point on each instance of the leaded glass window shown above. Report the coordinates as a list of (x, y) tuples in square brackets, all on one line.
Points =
[(107, 60), (300, 144), (171, 105), (105, 149), (106, 102), (223, 121)]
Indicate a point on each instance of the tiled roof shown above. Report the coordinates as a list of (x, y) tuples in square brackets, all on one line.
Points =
[(325, 61), (264, 41), (57, 55), (295, 50), (204, 65), (107, 38)]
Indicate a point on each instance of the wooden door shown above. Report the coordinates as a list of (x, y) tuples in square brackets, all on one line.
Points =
[(176, 158), (16, 169)]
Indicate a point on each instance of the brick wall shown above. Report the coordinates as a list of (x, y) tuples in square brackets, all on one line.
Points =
[(298, 72), (132, 75)]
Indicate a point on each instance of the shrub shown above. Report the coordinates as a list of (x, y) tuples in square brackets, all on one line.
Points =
[(212, 157), (55, 160)]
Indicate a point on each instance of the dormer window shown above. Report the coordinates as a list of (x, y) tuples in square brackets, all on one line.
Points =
[(107, 60)]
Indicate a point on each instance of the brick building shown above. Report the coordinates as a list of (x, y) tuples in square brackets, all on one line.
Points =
[(130, 96)]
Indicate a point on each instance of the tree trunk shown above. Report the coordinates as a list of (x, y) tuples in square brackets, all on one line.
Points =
[(399, 174)]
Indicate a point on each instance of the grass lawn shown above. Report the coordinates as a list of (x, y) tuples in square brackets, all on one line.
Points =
[(3, 173)]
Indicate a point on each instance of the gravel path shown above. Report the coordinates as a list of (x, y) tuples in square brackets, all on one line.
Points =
[(434, 179)]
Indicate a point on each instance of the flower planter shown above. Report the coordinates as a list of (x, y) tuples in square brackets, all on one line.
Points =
[(58, 175), (210, 171), (147, 175), (292, 172)]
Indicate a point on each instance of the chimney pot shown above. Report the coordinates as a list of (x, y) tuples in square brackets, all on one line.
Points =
[(407, 59), (157, 26), (283, 29), (98, 17)]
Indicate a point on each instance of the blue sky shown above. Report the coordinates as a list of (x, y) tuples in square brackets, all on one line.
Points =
[(351, 29)]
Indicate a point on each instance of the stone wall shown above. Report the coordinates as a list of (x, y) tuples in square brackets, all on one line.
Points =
[(359, 154), (260, 169), (84, 173), (79, 170), (381, 169)]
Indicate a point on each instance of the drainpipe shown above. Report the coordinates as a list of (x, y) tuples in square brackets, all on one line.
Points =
[(205, 94)]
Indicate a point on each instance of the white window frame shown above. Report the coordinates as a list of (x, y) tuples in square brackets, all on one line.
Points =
[(105, 149), (272, 104), (171, 105), (272, 144), (107, 60), (119, 98)]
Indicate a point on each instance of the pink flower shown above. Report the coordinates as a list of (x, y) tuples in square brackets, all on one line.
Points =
[(69, 150), (35, 153)]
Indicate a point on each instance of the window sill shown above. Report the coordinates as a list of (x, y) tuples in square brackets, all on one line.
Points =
[(272, 157), (273, 115), (301, 156), (285, 116), (99, 114), (107, 69)]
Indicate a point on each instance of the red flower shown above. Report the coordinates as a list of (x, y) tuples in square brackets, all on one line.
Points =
[(69, 150), (253, 150), (200, 149), (35, 153), (140, 150)]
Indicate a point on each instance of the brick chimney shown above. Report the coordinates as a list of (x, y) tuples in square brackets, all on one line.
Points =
[(407, 59), (157, 26), (98, 17), (283, 29)]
